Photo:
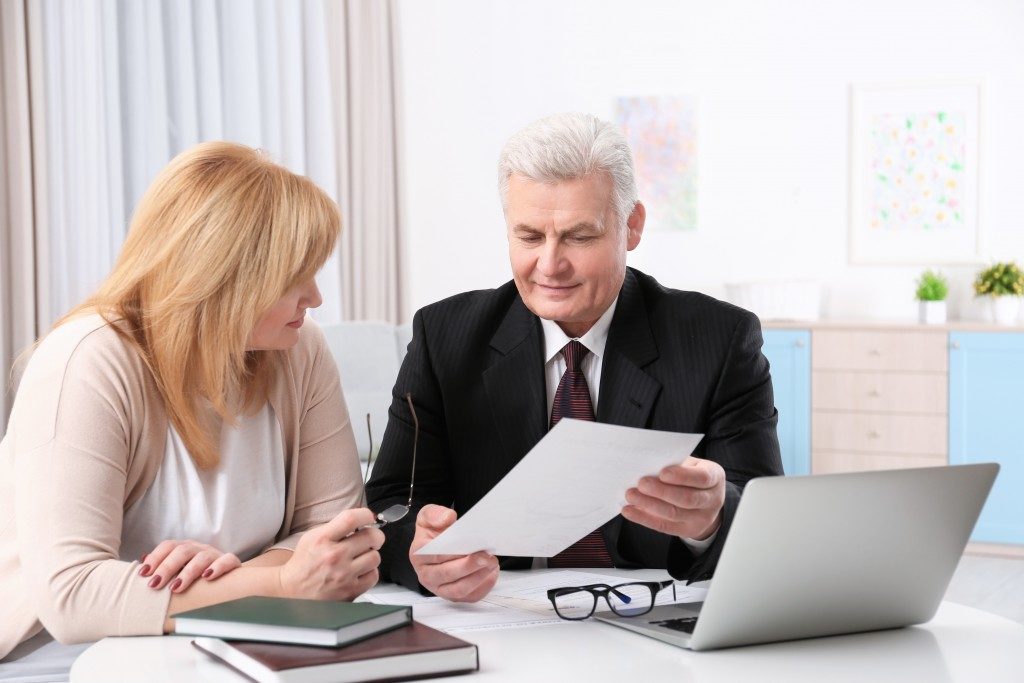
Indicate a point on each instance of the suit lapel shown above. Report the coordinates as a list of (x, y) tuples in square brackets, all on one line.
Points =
[(627, 392), (515, 383)]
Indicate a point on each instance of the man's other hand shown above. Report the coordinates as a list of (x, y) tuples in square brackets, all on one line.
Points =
[(683, 500), (459, 578)]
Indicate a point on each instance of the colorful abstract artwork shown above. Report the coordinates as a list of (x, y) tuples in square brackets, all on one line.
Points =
[(914, 174), (919, 162), (662, 132)]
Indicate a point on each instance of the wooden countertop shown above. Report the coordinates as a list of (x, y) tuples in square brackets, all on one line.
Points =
[(889, 325)]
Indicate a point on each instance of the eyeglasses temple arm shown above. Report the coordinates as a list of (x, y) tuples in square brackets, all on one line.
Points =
[(369, 457), (415, 443)]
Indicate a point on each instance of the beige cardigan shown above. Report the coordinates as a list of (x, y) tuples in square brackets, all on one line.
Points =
[(85, 441)]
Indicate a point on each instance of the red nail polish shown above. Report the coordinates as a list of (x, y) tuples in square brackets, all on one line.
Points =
[(145, 570), (143, 557), (208, 573), (175, 585), (155, 582)]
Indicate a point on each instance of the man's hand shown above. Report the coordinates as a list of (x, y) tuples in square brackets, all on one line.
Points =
[(459, 578), (683, 500)]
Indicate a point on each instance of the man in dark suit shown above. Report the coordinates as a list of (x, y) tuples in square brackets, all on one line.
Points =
[(575, 334)]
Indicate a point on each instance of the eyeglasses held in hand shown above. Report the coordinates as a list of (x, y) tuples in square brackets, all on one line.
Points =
[(576, 603), (396, 511)]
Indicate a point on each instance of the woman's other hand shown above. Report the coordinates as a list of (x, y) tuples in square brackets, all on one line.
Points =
[(179, 564), (335, 561)]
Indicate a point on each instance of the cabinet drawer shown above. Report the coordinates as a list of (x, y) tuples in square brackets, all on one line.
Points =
[(884, 392), (879, 433), (870, 350), (827, 462)]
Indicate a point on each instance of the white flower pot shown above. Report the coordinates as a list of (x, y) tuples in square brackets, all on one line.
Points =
[(932, 312), (1005, 309)]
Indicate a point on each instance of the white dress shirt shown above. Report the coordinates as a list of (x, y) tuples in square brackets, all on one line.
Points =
[(595, 339)]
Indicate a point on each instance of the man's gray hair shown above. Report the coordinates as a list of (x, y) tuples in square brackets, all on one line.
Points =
[(570, 146)]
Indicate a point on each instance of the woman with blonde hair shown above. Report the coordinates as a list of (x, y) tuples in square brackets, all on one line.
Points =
[(180, 438)]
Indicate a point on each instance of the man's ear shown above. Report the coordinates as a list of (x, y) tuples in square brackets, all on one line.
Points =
[(635, 226)]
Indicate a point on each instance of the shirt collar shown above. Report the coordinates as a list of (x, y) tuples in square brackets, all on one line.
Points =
[(595, 339)]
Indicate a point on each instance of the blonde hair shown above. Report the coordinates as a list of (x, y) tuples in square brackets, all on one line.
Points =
[(218, 238)]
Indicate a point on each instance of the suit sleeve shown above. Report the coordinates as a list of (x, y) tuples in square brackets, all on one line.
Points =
[(390, 480), (741, 437)]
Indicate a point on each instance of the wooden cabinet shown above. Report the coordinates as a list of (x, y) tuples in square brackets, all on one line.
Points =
[(878, 399), (789, 355), (889, 350), (986, 423), (880, 392)]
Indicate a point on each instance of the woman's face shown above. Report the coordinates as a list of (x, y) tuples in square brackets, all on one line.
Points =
[(278, 329)]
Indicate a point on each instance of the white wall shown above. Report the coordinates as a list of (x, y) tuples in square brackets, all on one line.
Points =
[(772, 80)]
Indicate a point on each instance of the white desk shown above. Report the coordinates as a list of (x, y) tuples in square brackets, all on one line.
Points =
[(959, 644)]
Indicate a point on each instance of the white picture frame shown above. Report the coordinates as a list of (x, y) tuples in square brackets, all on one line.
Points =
[(915, 154)]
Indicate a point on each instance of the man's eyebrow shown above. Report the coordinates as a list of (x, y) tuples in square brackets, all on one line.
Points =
[(582, 226)]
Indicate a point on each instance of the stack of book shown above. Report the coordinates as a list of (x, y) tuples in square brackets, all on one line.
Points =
[(285, 640)]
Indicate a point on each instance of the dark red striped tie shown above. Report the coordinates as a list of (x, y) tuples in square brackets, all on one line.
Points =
[(572, 399)]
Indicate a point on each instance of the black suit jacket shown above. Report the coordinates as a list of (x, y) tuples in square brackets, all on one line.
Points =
[(674, 361)]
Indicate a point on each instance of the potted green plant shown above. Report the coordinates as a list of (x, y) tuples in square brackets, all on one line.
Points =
[(932, 288), (1003, 284)]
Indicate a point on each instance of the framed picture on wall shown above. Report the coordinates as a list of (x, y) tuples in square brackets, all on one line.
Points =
[(662, 132), (914, 168)]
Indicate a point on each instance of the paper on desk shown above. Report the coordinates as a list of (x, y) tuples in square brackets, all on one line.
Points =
[(530, 592), (573, 481), (455, 617), (459, 617), (517, 601)]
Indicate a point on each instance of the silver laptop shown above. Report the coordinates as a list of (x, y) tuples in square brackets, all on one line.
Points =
[(830, 554)]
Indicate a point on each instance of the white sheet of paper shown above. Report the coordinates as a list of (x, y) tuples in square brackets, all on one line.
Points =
[(519, 600), (573, 481), (530, 591), (454, 617)]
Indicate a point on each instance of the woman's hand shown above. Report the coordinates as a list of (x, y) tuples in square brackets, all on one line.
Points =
[(180, 563), (335, 561)]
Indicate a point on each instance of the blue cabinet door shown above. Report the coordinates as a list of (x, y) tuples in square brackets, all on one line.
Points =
[(986, 423), (789, 354)]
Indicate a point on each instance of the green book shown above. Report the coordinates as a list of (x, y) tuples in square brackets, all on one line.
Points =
[(291, 620)]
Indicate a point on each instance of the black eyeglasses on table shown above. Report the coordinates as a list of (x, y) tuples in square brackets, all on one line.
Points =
[(396, 511), (576, 603)]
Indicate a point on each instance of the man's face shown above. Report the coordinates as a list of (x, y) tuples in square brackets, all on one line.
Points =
[(567, 250)]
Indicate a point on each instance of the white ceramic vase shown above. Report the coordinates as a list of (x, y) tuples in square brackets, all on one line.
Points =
[(1005, 309), (932, 312)]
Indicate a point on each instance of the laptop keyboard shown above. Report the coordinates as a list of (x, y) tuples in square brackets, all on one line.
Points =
[(684, 624)]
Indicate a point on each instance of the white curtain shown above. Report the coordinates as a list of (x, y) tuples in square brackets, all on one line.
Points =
[(18, 215), (119, 87), (364, 63), (132, 83)]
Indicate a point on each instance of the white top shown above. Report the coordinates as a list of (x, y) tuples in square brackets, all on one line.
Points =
[(236, 507)]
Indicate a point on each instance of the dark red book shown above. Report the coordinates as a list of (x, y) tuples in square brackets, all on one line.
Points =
[(406, 653)]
